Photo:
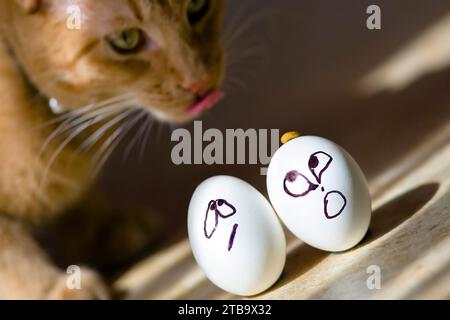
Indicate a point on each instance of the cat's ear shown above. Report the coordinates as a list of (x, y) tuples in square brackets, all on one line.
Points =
[(30, 6)]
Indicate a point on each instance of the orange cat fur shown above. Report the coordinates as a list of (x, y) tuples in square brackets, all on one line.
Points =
[(162, 56)]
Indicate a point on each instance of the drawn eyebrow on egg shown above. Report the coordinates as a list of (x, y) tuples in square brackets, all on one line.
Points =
[(220, 207), (314, 163), (317, 168)]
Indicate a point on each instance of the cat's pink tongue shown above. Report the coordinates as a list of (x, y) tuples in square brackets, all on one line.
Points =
[(207, 102)]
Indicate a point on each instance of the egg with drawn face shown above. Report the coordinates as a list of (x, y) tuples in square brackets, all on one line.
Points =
[(235, 236), (320, 193)]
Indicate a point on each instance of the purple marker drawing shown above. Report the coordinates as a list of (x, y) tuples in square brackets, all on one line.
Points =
[(328, 212), (232, 236), (291, 177), (211, 207), (313, 165), (219, 208)]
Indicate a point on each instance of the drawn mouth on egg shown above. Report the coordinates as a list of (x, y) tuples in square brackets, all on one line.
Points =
[(219, 209), (297, 185)]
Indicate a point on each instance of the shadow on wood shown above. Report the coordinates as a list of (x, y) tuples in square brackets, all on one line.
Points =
[(384, 220), (298, 262), (397, 211), (404, 231)]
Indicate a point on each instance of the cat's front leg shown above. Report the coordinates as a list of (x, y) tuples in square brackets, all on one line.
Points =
[(97, 233), (27, 273)]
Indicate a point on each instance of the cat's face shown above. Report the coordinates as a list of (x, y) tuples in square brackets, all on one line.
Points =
[(163, 55)]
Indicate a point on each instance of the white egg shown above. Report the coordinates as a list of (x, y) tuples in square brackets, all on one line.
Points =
[(236, 236), (320, 193)]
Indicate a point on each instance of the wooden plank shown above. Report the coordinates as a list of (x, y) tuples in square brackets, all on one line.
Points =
[(409, 240)]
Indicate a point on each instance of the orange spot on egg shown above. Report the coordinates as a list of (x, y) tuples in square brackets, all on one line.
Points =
[(288, 136)]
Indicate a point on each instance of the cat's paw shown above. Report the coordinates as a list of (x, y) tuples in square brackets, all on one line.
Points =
[(91, 287)]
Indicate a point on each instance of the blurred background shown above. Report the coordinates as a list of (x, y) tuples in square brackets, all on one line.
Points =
[(311, 66)]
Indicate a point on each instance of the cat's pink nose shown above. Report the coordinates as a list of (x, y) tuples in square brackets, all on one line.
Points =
[(199, 87)]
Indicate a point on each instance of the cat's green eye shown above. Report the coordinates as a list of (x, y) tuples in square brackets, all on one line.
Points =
[(126, 41), (197, 10)]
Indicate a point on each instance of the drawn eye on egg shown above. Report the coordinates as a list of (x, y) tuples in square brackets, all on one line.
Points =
[(216, 210), (298, 185), (318, 163)]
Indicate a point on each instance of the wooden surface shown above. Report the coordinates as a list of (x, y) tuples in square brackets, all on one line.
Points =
[(397, 128), (409, 240)]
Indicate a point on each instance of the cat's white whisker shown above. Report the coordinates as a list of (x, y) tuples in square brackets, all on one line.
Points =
[(149, 126), (241, 63), (93, 138), (250, 55), (233, 24), (133, 141), (60, 148), (84, 110), (114, 140), (159, 132), (245, 27), (74, 122), (82, 127)]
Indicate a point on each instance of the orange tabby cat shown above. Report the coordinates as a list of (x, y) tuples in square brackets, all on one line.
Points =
[(163, 56)]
